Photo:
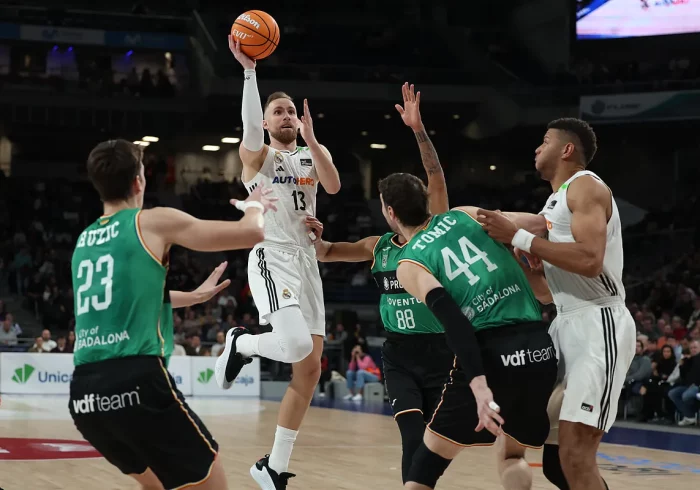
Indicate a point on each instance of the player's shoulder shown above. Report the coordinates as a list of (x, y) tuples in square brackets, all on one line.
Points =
[(587, 188)]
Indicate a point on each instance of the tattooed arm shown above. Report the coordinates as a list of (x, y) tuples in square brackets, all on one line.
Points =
[(437, 187)]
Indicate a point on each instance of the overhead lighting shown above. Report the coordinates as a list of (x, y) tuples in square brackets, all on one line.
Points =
[(492, 167), (152, 139), (431, 132), (210, 148), (141, 143), (321, 115), (378, 146), (387, 116), (455, 116), (363, 133), (238, 128), (231, 140)]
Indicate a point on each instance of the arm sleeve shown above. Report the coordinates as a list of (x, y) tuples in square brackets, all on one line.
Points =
[(253, 133), (459, 332)]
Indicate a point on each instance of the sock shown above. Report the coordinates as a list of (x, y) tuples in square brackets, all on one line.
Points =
[(282, 449), (247, 345)]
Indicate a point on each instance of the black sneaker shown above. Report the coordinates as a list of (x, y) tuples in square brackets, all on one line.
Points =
[(230, 363), (267, 478)]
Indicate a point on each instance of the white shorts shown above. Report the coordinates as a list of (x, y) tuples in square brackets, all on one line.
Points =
[(595, 346), (280, 278)]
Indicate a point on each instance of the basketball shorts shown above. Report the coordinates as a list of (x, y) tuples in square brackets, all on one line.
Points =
[(416, 368), (595, 347), (130, 410), (281, 277), (521, 368)]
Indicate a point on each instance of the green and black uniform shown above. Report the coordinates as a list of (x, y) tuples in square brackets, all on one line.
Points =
[(122, 398), (487, 283), (416, 358)]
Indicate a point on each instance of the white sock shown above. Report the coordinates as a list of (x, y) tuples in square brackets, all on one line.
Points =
[(247, 345), (282, 449)]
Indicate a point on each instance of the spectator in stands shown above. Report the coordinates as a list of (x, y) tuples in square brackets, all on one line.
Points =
[(61, 346), (228, 302), (8, 336), (218, 348), (675, 347), (9, 318), (38, 346), (679, 327), (194, 346), (179, 350), (684, 394), (362, 370), (44, 343), (639, 371), (656, 388), (695, 315)]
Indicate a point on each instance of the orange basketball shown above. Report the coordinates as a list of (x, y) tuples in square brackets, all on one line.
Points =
[(257, 32)]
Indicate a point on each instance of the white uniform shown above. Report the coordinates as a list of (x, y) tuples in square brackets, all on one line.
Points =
[(283, 270), (594, 333)]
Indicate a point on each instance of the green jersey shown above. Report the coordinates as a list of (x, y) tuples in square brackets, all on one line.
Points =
[(400, 312), (119, 293), (480, 274)]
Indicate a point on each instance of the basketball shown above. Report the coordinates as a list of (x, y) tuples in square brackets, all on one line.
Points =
[(257, 32)]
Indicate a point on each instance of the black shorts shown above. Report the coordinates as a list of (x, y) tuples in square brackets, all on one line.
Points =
[(416, 368), (521, 369), (130, 410)]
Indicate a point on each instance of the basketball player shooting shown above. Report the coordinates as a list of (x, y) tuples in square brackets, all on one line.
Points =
[(282, 270), (124, 329), (593, 332)]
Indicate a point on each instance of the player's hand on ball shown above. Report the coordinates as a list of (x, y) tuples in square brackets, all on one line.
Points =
[(315, 227), (306, 125), (209, 288), (486, 408), (235, 46), (497, 225), (410, 112), (264, 196)]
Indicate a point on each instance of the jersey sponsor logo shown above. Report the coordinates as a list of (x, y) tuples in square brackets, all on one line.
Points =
[(483, 302), (388, 283), (586, 407), (97, 403), (93, 338), (279, 169), (98, 236), (252, 188), (429, 236), (385, 255), (305, 162), (469, 313), (549, 224), (288, 179), (552, 204), (523, 356), (410, 301)]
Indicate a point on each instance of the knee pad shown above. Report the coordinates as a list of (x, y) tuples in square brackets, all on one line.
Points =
[(292, 334), (412, 428), (551, 467), (427, 467)]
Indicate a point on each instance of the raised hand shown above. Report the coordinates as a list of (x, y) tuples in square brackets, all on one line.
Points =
[(410, 112), (209, 288), (235, 46), (306, 125), (262, 195)]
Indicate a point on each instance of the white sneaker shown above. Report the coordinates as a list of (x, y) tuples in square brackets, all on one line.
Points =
[(357, 398), (348, 396), (687, 421)]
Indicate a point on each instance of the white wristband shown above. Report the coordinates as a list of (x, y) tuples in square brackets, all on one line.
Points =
[(243, 205), (522, 240)]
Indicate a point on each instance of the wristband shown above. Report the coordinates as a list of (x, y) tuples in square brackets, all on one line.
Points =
[(249, 72), (522, 240), (243, 205)]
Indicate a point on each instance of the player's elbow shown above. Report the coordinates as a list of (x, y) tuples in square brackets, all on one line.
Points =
[(332, 187), (592, 266)]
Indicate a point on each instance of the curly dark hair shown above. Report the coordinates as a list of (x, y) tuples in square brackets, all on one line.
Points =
[(407, 196), (583, 131)]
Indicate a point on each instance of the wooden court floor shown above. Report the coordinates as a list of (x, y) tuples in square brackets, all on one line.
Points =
[(335, 450)]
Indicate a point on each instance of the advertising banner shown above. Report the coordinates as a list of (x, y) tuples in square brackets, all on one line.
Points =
[(641, 107), (203, 383), (26, 373), (180, 369)]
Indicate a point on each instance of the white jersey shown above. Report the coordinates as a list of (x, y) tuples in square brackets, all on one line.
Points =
[(292, 177), (570, 290)]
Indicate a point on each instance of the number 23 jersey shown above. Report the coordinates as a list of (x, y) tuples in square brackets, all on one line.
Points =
[(481, 275), (121, 305), (293, 179)]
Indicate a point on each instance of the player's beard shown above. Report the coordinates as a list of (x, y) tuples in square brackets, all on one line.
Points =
[(284, 136)]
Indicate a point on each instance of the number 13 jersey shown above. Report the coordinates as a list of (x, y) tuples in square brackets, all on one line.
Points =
[(481, 275), (292, 177), (121, 305)]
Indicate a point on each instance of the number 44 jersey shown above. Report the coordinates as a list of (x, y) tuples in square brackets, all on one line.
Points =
[(119, 288), (482, 276)]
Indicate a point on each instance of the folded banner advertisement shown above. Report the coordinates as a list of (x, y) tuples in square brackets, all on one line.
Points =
[(658, 106), (51, 374)]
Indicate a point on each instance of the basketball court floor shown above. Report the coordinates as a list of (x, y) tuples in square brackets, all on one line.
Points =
[(341, 446)]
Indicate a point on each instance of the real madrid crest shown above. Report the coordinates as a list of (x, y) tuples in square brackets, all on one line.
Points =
[(286, 294), (278, 157)]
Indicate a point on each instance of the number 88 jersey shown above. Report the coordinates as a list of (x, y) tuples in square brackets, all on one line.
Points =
[(293, 179), (400, 312), (121, 305)]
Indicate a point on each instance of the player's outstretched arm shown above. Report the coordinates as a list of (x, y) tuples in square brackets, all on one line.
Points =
[(360, 251), (162, 227), (534, 223), (206, 291), (325, 168), (459, 333), (252, 149), (588, 200), (410, 113)]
